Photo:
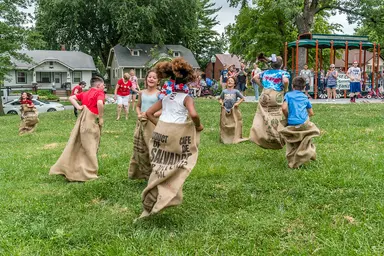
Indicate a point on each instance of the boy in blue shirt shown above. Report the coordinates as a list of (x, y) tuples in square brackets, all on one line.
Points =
[(296, 106), (299, 132)]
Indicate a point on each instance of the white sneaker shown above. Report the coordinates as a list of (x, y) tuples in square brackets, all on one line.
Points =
[(333, 100), (327, 100)]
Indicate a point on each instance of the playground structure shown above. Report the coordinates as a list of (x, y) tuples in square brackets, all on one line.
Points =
[(333, 42)]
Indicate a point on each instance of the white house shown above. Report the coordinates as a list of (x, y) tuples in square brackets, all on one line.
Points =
[(142, 56), (51, 69)]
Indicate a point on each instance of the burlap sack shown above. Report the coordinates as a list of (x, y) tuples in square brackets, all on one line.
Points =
[(173, 153), (298, 139), (231, 126), (29, 119), (140, 166), (78, 162), (267, 118)]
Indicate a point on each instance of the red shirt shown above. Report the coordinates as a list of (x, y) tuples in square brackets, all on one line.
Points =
[(124, 88), (90, 99), (28, 102), (78, 88)]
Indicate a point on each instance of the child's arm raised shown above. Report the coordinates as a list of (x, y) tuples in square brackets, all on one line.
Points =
[(152, 110), (190, 105)]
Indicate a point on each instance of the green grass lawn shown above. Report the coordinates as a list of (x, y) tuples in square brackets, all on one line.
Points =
[(239, 199)]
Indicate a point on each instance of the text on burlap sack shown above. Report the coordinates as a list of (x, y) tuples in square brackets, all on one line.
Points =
[(163, 160)]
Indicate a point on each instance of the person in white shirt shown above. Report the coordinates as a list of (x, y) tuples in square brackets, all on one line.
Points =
[(354, 74)]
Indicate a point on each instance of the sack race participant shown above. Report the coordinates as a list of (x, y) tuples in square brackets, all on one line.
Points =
[(140, 166), (268, 115), (122, 91), (78, 162), (29, 115), (231, 121), (173, 147), (299, 132)]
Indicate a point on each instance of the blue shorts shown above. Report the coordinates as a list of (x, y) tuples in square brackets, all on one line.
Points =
[(331, 86), (133, 92), (307, 87), (241, 87), (354, 87)]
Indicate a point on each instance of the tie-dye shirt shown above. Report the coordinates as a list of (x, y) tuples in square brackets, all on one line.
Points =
[(273, 79)]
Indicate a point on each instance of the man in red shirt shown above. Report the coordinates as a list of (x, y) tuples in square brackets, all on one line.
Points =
[(76, 90), (122, 91), (78, 162)]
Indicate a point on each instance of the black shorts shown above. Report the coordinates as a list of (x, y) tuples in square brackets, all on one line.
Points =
[(307, 87)]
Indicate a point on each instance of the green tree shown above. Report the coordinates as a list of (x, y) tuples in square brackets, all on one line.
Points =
[(95, 26), (13, 36), (303, 13)]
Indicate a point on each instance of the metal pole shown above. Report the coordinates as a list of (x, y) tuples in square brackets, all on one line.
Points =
[(346, 64), (316, 69), (331, 57), (297, 57), (373, 66), (378, 65)]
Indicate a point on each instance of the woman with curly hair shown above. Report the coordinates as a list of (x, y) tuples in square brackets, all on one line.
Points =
[(173, 146)]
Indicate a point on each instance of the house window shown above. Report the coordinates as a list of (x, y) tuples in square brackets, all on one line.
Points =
[(176, 54), (135, 53), (45, 77), (77, 76), (138, 73), (51, 63), (21, 77)]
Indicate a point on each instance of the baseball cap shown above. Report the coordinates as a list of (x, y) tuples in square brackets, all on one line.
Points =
[(83, 83), (355, 62)]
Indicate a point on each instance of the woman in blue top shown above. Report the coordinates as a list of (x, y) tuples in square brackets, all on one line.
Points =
[(269, 114)]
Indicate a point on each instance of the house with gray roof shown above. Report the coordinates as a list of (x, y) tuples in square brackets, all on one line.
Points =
[(143, 56), (51, 69)]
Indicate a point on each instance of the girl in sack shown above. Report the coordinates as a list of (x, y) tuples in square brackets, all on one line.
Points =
[(29, 114), (173, 146), (231, 122), (140, 165)]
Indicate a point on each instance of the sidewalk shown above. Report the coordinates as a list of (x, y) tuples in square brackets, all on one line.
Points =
[(324, 101)]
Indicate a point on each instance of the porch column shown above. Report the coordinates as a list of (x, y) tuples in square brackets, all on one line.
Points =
[(34, 77), (68, 76)]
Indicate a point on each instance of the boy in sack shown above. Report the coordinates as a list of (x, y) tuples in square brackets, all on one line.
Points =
[(298, 131), (78, 162)]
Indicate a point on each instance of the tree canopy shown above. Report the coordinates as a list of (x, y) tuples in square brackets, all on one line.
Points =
[(95, 26)]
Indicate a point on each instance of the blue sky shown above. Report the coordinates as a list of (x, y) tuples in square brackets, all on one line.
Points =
[(227, 15)]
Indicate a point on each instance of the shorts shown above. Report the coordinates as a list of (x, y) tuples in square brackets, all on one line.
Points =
[(133, 92), (307, 87), (354, 87), (122, 100), (331, 86)]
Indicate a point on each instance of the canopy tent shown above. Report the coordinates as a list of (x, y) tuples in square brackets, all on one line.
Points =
[(333, 42)]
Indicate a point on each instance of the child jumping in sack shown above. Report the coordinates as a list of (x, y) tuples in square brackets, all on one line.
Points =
[(299, 130), (173, 146), (231, 121)]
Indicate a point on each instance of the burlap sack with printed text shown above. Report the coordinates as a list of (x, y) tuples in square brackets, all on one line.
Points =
[(29, 119), (78, 162), (267, 119), (231, 126), (299, 146), (173, 153), (140, 166)]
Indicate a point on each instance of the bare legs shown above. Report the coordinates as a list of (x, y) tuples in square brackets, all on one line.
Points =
[(126, 110)]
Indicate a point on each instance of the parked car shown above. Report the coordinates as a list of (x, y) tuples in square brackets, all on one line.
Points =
[(13, 107)]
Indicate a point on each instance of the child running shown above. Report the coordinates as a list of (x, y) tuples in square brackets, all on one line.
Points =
[(299, 131), (78, 162), (173, 147), (231, 121), (140, 166)]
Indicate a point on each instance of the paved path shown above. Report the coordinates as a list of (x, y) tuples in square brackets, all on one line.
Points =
[(324, 101)]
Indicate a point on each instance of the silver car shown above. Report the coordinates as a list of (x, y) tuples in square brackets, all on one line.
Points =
[(13, 107)]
